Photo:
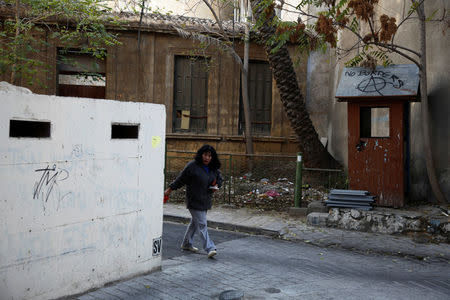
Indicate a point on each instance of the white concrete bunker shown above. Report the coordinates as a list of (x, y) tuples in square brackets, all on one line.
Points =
[(81, 185)]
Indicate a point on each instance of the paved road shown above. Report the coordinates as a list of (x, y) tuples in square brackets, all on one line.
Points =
[(265, 268), (173, 235)]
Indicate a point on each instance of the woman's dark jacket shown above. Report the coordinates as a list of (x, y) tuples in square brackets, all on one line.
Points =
[(197, 181)]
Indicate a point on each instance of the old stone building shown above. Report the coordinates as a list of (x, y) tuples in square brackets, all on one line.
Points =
[(200, 87)]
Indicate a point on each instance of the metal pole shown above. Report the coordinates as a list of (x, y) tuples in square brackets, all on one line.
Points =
[(298, 181), (229, 180)]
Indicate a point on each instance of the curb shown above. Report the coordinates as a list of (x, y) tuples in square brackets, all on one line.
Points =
[(317, 243), (226, 226)]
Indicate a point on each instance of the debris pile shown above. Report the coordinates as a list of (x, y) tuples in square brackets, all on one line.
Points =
[(263, 194), (266, 195)]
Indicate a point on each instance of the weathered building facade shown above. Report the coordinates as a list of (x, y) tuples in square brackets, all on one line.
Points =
[(153, 71), (199, 86)]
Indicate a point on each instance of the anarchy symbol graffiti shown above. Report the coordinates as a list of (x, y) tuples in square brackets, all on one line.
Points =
[(375, 84), (372, 85)]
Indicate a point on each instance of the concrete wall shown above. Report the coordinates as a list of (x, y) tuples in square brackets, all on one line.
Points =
[(78, 209), (438, 43)]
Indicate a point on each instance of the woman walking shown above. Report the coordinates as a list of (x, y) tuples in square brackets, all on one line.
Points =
[(202, 177)]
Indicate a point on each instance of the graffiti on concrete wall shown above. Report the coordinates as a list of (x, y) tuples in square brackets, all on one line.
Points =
[(47, 185)]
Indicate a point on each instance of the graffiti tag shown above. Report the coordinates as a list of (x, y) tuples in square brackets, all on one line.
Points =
[(377, 81), (48, 183)]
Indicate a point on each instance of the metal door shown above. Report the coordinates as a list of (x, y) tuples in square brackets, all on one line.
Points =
[(376, 150)]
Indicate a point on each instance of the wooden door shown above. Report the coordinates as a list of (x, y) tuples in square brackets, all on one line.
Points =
[(376, 151), (190, 95), (260, 98)]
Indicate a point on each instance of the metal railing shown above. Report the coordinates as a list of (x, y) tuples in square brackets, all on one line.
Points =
[(266, 181)]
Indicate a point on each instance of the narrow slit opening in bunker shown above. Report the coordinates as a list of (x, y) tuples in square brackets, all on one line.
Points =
[(124, 131), (29, 129)]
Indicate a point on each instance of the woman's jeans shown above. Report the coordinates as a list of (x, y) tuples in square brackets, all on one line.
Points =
[(198, 224)]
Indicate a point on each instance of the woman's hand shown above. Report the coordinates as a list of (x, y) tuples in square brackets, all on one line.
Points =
[(213, 188), (166, 194)]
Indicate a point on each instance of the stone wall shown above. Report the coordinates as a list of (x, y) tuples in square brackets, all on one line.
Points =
[(431, 221)]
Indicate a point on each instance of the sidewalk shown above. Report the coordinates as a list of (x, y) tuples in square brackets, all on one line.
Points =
[(281, 225)]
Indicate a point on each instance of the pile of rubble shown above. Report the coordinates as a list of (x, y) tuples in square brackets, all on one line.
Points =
[(275, 195), (264, 194)]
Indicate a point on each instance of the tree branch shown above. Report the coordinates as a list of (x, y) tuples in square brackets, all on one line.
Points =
[(210, 40), (393, 49), (219, 23)]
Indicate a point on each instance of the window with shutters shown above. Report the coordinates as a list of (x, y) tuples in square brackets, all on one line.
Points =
[(260, 98), (190, 94)]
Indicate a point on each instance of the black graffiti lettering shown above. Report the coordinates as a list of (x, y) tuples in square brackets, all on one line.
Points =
[(396, 82), (398, 85), (394, 78), (350, 73), (48, 181)]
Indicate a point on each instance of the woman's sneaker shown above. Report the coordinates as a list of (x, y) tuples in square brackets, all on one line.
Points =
[(212, 253), (189, 248)]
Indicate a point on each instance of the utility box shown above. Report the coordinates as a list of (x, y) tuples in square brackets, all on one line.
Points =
[(81, 184), (378, 129)]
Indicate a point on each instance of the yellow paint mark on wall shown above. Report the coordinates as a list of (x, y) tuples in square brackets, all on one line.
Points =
[(156, 140)]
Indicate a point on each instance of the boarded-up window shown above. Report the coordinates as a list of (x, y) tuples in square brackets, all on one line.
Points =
[(190, 94), (260, 98), (80, 75)]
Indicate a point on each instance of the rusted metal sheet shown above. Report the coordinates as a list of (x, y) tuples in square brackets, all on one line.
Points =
[(393, 81), (376, 164)]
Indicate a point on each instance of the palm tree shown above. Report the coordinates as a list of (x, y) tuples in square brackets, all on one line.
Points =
[(314, 153)]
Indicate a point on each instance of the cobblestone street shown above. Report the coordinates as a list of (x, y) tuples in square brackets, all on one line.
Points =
[(265, 268)]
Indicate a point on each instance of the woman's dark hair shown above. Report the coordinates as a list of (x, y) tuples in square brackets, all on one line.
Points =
[(215, 163)]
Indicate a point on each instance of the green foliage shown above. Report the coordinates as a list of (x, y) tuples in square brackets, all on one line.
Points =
[(354, 25), (355, 61), (431, 17), (414, 6), (380, 56), (62, 23)]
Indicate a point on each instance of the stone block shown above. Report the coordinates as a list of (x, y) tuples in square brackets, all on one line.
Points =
[(317, 206), (297, 211), (317, 219)]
